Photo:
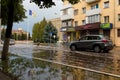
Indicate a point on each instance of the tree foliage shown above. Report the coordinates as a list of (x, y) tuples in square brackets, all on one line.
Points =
[(35, 32), (19, 11), (38, 30), (49, 3), (72, 1), (43, 23), (49, 32), (21, 36)]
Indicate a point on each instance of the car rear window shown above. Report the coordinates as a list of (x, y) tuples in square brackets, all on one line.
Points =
[(93, 38), (106, 37)]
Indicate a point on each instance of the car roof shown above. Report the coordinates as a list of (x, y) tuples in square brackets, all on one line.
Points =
[(94, 35)]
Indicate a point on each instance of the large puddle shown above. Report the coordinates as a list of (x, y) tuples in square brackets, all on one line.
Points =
[(34, 63), (32, 69)]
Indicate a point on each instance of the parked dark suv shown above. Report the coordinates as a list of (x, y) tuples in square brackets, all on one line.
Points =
[(97, 43)]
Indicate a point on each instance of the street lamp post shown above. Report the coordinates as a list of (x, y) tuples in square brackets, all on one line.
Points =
[(54, 36), (68, 41)]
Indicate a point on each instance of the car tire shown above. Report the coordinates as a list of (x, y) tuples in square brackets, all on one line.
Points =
[(73, 47), (97, 49)]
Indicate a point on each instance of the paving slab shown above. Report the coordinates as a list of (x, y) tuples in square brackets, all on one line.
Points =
[(4, 77)]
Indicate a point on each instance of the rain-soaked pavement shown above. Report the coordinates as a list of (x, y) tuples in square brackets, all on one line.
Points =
[(30, 62)]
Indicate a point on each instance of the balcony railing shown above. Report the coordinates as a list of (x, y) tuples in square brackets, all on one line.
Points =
[(91, 1), (66, 17), (66, 6), (93, 12)]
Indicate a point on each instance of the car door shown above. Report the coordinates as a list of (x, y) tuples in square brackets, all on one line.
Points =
[(82, 42), (91, 41), (88, 42)]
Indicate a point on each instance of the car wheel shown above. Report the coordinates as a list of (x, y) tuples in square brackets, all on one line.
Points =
[(73, 47), (97, 49)]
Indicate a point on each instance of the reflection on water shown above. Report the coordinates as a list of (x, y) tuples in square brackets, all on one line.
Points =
[(31, 69), (46, 54), (105, 63)]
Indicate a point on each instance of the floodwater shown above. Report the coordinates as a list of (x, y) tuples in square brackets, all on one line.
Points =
[(34, 63)]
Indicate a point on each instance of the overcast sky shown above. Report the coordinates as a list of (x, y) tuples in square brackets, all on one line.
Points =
[(49, 13)]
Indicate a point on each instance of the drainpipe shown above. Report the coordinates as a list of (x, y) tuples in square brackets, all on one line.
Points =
[(114, 23)]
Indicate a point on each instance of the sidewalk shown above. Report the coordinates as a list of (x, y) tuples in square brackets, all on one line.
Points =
[(4, 77)]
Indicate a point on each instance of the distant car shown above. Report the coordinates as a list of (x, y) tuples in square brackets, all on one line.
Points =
[(2, 42), (12, 42), (92, 42)]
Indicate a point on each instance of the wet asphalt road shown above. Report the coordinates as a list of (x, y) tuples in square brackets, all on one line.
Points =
[(103, 62)]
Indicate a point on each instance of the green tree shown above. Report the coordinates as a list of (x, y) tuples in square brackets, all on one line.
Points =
[(15, 36), (50, 3), (24, 36), (35, 32), (29, 37), (19, 11), (49, 32), (38, 31), (19, 37), (12, 11), (43, 23)]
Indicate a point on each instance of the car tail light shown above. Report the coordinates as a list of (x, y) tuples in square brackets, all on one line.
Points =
[(105, 41)]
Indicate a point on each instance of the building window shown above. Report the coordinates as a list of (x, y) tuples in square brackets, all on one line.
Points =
[(94, 6), (106, 4), (76, 23), (69, 23), (63, 24), (118, 2), (65, 12), (84, 9), (76, 12), (118, 17), (94, 18), (118, 32), (83, 22), (106, 19)]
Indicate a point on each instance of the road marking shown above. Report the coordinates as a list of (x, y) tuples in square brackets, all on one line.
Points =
[(87, 69)]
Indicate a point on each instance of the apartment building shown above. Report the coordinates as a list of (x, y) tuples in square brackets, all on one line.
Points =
[(67, 18), (92, 17)]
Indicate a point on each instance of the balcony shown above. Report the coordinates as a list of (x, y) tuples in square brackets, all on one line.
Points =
[(67, 29), (67, 17), (66, 6), (67, 12), (91, 1), (93, 12)]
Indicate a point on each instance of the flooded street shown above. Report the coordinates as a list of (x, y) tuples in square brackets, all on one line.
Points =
[(30, 62)]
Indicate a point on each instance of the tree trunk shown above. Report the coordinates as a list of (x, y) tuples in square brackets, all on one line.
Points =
[(8, 30)]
